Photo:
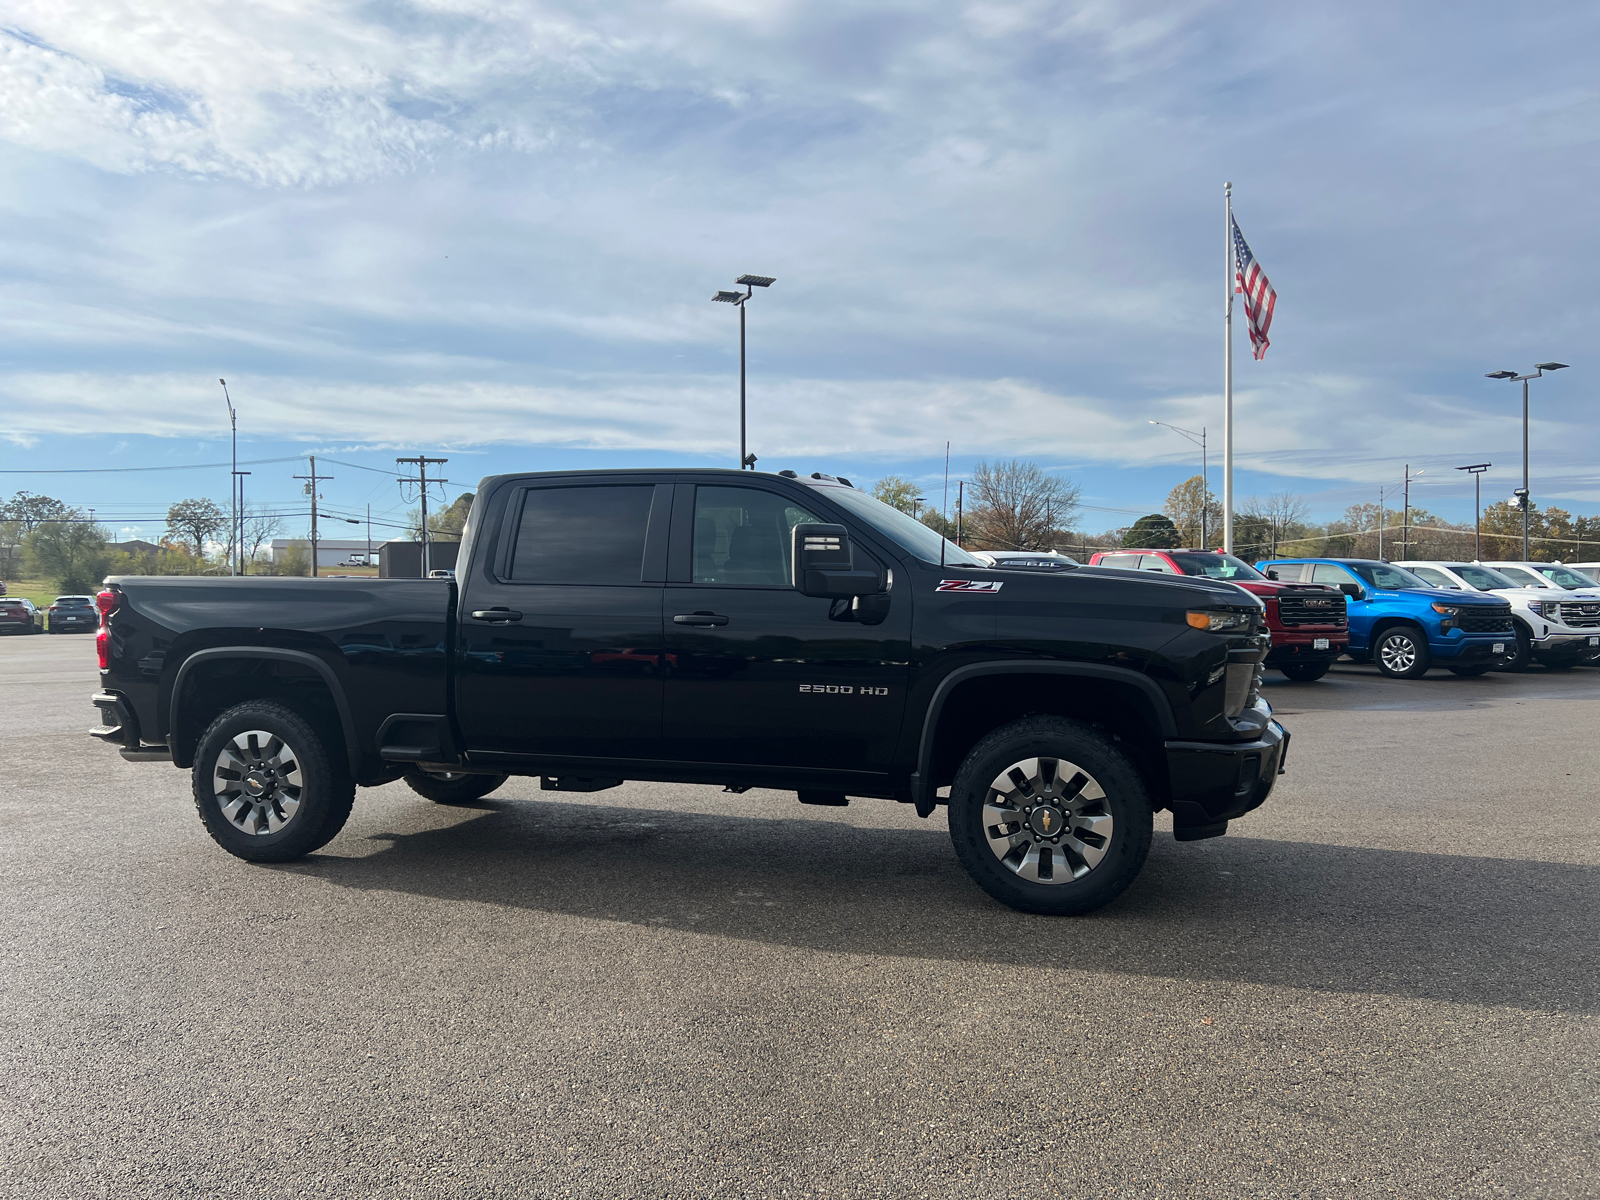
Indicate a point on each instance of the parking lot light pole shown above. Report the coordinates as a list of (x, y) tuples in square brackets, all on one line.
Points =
[(1525, 497), (750, 282), (1199, 439), (1477, 470)]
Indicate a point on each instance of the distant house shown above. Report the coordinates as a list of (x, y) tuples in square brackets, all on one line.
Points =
[(331, 552), (403, 560)]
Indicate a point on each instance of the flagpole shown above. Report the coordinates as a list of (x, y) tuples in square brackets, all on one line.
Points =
[(1227, 374)]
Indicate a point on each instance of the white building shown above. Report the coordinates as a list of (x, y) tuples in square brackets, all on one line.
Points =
[(331, 552)]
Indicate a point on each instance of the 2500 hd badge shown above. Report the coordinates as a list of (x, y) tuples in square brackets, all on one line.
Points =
[(842, 689)]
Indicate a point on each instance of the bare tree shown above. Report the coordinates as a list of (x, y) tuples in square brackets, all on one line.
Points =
[(1283, 515), (260, 527), (1017, 505)]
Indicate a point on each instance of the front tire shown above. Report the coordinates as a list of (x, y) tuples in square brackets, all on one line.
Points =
[(1305, 672), (451, 787), (268, 786), (1524, 653), (1049, 816), (1401, 652)]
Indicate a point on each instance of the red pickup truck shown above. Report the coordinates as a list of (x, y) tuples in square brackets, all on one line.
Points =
[(1307, 621)]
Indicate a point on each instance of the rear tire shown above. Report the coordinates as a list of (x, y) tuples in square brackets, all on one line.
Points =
[(451, 787), (1305, 672), (1030, 779), (1401, 652), (268, 785)]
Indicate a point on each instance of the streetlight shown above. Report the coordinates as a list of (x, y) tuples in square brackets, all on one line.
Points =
[(750, 282), (1523, 495), (916, 507), (236, 534), (1477, 470), (1199, 439)]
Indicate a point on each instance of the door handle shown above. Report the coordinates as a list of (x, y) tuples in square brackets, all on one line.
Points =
[(700, 618), (497, 615)]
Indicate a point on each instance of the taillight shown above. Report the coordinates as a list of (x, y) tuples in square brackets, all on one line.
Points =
[(107, 602), (102, 647)]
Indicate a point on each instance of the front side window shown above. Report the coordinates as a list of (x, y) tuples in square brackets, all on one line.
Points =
[(1384, 575), (582, 534), (744, 536), (1331, 574), (1524, 578), (1566, 578)]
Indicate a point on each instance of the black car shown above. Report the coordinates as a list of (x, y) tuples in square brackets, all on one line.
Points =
[(74, 612)]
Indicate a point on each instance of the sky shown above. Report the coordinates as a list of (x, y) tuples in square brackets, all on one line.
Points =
[(489, 231)]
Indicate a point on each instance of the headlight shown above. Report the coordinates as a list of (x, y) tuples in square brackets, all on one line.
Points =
[(1536, 607), (1448, 610), (1222, 620)]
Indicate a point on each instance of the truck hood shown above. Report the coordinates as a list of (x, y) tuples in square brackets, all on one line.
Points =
[(1443, 595), (1180, 589)]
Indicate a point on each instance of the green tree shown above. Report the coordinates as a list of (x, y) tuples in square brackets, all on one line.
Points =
[(295, 560), (896, 491), (195, 522), (1153, 532), (71, 551), (444, 524)]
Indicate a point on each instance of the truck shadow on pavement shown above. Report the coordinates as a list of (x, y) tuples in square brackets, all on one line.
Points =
[(1476, 930)]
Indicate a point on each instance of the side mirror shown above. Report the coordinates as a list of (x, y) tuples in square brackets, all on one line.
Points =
[(1354, 590), (823, 563), (1271, 573)]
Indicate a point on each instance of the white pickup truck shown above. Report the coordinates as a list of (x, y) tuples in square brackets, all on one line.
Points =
[(1557, 625)]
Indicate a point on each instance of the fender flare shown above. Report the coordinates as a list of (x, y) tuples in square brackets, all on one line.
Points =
[(922, 791), (302, 657)]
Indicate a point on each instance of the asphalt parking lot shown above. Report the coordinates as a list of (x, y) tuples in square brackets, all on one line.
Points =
[(1383, 983)]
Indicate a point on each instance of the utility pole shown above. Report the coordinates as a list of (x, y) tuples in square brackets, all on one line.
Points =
[(236, 539), (369, 535), (1405, 518), (311, 488), (421, 480), (239, 492), (961, 492)]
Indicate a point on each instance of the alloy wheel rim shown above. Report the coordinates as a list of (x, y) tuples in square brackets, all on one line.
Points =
[(1047, 820), (257, 782), (1398, 653)]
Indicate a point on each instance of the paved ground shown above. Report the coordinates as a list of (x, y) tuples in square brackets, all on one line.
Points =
[(1384, 983)]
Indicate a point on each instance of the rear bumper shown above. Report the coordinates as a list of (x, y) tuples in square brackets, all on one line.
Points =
[(119, 726), (1214, 782)]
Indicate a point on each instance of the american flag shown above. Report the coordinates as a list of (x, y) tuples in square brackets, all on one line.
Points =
[(1259, 298)]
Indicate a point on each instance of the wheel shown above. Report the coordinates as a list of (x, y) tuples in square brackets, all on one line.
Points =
[(451, 787), (1524, 653), (1469, 672), (1048, 816), (268, 786), (1401, 652), (1305, 672)]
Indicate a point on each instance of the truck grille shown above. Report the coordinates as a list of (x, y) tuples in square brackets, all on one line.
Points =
[(1312, 608), (1580, 616), (1245, 673), (1498, 622)]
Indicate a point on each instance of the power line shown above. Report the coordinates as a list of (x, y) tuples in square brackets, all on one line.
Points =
[(122, 470)]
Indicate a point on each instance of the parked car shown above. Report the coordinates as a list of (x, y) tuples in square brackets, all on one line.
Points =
[(1307, 621), (1031, 560), (820, 642), (2, 587), (73, 612), (1589, 570), (1559, 633), (20, 616), (1404, 625), (1544, 575)]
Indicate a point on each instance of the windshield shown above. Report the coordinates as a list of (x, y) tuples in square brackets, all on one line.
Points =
[(1524, 578), (902, 529), (1215, 566), (1566, 577), (1482, 578), (1386, 575)]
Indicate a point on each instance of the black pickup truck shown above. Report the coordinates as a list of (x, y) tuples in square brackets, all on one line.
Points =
[(715, 627)]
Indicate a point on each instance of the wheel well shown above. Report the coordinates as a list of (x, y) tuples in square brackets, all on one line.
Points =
[(976, 707), (211, 688), (1379, 628)]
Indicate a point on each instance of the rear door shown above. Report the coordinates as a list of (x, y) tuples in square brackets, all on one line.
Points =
[(760, 674), (560, 644)]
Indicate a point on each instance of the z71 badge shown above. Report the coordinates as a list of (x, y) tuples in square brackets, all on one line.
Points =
[(969, 585)]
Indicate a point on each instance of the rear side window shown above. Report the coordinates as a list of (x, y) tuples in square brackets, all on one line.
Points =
[(582, 535), (1436, 577), (1154, 562), (1286, 572), (1126, 562)]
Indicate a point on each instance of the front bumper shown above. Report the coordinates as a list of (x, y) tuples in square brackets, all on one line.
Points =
[(1478, 650), (1213, 782)]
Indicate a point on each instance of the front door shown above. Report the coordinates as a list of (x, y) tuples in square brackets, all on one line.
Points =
[(760, 674), (561, 648), (1358, 612)]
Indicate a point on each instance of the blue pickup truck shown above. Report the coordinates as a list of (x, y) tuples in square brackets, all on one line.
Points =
[(1405, 625)]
